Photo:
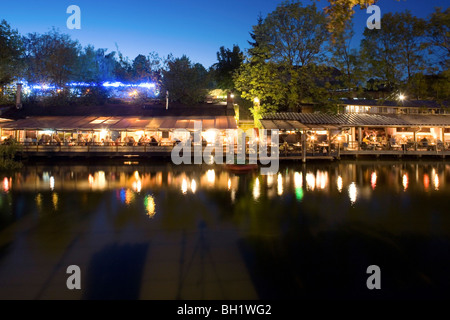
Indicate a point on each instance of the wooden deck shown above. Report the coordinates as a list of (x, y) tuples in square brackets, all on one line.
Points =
[(47, 151)]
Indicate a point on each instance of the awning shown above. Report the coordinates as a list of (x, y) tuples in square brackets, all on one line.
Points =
[(119, 123)]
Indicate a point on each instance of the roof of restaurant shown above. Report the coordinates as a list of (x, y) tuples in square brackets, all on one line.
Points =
[(155, 109), (292, 120), (388, 103), (119, 123)]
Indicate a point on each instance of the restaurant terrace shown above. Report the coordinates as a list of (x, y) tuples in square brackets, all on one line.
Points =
[(334, 135)]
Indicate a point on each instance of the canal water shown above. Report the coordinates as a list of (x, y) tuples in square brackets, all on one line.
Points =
[(159, 231)]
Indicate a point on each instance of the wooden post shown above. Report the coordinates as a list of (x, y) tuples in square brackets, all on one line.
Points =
[(329, 141), (304, 146), (359, 138), (415, 140)]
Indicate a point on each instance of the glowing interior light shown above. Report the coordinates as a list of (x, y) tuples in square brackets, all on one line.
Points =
[(339, 183), (256, 189), (352, 192), (405, 182), (52, 183), (150, 206), (280, 184), (373, 180), (184, 186), (91, 180), (193, 186)]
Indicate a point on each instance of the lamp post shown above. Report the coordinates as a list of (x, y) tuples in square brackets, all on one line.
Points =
[(257, 110), (401, 97)]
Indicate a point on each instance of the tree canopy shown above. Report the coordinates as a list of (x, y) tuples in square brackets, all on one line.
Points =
[(11, 50), (185, 81)]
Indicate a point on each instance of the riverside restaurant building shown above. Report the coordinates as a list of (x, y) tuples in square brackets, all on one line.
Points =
[(111, 131), (359, 131)]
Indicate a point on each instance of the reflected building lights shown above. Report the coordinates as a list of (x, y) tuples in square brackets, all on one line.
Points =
[(137, 186), (193, 186), (310, 182), (129, 197), (269, 180), (352, 192), (52, 183), (426, 181), (184, 186), (339, 183), (229, 184), (373, 180), (436, 182), (298, 180), (6, 185), (211, 176), (55, 200), (321, 179), (39, 201), (405, 182), (150, 207), (280, 184), (256, 189)]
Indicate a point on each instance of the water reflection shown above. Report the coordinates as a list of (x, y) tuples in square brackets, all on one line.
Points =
[(365, 179), (256, 189), (305, 216), (405, 182), (352, 192), (373, 180), (339, 184), (149, 204), (6, 185)]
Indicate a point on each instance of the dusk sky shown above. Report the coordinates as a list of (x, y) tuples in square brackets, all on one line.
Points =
[(196, 28)]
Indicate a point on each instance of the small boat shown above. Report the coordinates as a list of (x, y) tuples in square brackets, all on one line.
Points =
[(241, 168)]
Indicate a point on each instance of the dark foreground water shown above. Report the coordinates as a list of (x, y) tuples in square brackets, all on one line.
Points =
[(157, 231)]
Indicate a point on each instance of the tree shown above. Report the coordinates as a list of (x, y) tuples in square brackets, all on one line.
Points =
[(123, 70), (142, 70), (284, 68), (394, 53), (410, 34), (185, 81), (347, 59), (228, 62), (51, 57), (340, 12), (11, 50), (438, 35)]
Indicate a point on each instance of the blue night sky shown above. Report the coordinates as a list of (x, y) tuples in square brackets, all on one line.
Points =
[(196, 28)]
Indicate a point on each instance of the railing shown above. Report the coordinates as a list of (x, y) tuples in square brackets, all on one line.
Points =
[(285, 150)]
